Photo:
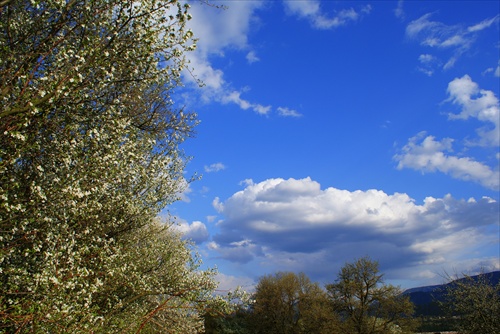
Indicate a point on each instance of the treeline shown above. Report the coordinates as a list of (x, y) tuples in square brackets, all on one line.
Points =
[(358, 301)]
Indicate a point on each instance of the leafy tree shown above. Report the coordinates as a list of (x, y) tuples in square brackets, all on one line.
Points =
[(365, 304), (476, 302), (233, 323), (231, 316), (89, 154), (288, 303)]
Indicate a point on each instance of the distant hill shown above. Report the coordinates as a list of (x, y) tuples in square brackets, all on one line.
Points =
[(426, 298)]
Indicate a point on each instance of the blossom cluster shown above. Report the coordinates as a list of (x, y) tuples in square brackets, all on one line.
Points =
[(89, 155)]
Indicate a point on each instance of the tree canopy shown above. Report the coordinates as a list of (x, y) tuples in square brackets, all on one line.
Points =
[(290, 303), (365, 304)]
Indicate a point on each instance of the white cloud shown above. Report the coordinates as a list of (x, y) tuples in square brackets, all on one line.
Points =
[(196, 231), (235, 97), (399, 11), (286, 112), (429, 155), (476, 103), (495, 71), (437, 34), (428, 63), (216, 167), (217, 31), (216, 203), (230, 283), (252, 57), (184, 190), (483, 25), (426, 58), (311, 10), (295, 225), (456, 38)]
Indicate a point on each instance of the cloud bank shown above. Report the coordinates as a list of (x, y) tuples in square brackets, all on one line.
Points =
[(295, 225)]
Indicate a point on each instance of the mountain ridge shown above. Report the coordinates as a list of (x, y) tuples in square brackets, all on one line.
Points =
[(427, 299)]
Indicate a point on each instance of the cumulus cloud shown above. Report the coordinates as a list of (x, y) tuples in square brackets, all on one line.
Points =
[(287, 112), (456, 38), (295, 225), (216, 167), (476, 103), (426, 154), (196, 231), (311, 10)]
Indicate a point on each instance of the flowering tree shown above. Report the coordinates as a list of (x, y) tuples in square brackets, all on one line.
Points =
[(89, 154), (474, 301)]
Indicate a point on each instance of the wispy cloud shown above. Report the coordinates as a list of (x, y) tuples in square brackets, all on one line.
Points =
[(216, 167), (287, 112), (399, 11), (235, 97), (295, 225), (495, 71), (435, 34), (484, 24), (311, 10), (427, 63)]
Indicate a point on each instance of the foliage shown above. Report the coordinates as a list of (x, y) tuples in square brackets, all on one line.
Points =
[(476, 303), (229, 314), (288, 303), (89, 154), (233, 323), (365, 304)]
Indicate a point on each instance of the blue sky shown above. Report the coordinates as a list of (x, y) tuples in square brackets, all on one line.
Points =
[(337, 129)]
